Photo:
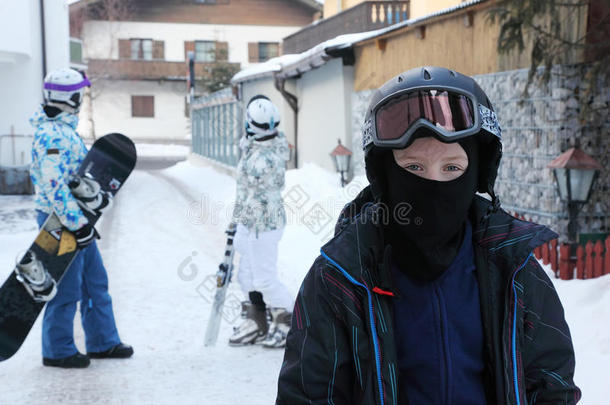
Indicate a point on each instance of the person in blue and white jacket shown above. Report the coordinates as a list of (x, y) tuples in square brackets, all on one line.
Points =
[(57, 152)]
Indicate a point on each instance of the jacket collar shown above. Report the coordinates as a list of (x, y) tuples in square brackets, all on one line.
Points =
[(39, 117), (358, 244)]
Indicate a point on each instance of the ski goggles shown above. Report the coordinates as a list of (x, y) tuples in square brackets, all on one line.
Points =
[(452, 114)]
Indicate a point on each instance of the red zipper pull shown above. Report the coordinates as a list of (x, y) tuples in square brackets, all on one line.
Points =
[(379, 291)]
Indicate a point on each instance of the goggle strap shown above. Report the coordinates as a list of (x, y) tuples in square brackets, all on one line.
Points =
[(489, 121)]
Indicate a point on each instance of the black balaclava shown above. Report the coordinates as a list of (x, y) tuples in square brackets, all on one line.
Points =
[(427, 217), (51, 111)]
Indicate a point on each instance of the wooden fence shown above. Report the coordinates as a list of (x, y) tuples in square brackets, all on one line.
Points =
[(592, 259)]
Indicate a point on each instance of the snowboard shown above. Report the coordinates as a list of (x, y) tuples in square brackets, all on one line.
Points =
[(34, 279), (223, 278)]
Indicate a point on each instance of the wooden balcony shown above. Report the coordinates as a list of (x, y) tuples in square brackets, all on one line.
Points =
[(367, 16), (127, 69)]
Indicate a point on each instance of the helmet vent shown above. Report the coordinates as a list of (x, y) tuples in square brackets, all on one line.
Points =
[(400, 79), (427, 75), (453, 73)]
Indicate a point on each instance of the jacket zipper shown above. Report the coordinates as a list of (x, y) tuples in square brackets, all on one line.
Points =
[(444, 349), (514, 331), (372, 321)]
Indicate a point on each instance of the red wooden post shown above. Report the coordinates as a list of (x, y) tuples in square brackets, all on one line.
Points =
[(545, 253), (589, 260), (598, 259), (607, 258), (553, 255), (580, 262), (538, 252), (564, 261)]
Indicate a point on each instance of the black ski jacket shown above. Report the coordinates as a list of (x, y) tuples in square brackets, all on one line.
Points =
[(341, 347)]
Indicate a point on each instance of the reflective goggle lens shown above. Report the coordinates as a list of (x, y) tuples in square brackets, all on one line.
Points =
[(450, 111)]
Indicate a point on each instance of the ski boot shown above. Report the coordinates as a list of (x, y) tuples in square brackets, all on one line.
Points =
[(280, 325), (35, 278), (253, 329), (89, 195)]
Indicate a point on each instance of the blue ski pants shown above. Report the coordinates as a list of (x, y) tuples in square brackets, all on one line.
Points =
[(85, 281)]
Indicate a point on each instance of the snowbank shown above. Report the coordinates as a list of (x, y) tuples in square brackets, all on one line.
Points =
[(587, 311)]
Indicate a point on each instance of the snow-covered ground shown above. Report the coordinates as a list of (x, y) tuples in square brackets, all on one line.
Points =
[(161, 245), (165, 150)]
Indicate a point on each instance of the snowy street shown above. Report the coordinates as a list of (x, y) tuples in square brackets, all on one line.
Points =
[(161, 244)]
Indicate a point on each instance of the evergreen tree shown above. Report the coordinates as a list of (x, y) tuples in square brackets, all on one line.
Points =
[(550, 30)]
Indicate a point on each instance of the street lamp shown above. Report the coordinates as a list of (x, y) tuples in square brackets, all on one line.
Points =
[(575, 172), (341, 157)]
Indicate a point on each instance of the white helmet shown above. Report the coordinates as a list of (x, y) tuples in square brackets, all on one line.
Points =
[(262, 117), (64, 89)]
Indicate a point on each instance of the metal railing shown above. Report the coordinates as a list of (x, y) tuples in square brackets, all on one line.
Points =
[(216, 127), (15, 149), (366, 16), (15, 158)]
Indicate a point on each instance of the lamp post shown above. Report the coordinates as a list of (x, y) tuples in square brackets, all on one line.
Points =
[(191, 81), (341, 157), (575, 172)]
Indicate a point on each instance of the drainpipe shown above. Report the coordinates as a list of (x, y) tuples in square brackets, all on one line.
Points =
[(293, 101), (44, 41)]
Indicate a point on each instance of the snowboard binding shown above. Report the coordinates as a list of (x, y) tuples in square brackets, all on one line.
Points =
[(35, 278), (89, 195), (223, 275)]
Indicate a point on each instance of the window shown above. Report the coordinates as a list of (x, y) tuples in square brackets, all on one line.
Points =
[(205, 51), (76, 50), (267, 50), (141, 49), (143, 106)]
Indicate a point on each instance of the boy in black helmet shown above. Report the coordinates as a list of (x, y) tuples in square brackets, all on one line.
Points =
[(428, 293)]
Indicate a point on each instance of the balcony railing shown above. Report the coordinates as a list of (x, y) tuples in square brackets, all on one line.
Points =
[(146, 70), (367, 16)]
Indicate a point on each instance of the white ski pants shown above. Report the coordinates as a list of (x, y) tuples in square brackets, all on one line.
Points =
[(258, 266)]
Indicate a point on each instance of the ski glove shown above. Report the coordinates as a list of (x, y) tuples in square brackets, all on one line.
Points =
[(85, 236)]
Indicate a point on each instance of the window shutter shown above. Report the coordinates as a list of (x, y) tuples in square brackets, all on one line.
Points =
[(142, 106), (124, 49), (158, 50), (189, 46), (253, 52), (222, 51), (149, 106), (135, 107)]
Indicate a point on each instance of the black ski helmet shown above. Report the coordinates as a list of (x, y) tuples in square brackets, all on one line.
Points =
[(426, 78)]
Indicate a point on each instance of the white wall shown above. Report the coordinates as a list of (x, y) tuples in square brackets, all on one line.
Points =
[(112, 110), (101, 37), (21, 57), (324, 112)]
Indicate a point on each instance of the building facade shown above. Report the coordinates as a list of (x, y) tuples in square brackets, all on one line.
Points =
[(137, 61), (536, 128), (24, 61)]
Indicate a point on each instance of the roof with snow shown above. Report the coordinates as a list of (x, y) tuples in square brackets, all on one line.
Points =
[(315, 4), (295, 64), (291, 65)]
